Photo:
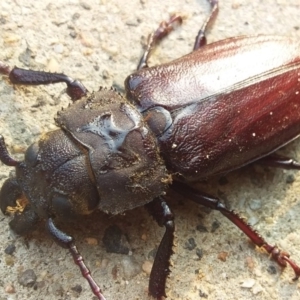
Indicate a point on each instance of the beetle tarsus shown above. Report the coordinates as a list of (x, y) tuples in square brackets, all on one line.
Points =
[(161, 266), (166, 27), (154, 38), (295, 267), (281, 257), (201, 38), (66, 241)]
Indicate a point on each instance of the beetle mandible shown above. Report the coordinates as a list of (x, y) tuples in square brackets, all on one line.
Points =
[(120, 127)]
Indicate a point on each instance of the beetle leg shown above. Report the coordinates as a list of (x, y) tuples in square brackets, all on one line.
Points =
[(281, 257), (75, 89), (166, 27), (160, 211), (67, 242), (200, 38), (279, 161), (154, 38)]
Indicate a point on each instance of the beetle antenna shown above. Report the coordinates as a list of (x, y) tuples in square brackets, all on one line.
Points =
[(67, 242), (5, 156)]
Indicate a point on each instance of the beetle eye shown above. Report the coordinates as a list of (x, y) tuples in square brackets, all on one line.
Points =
[(31, 155), (61, 205)]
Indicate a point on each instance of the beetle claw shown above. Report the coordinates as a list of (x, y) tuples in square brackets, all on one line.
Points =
[(295, 267)]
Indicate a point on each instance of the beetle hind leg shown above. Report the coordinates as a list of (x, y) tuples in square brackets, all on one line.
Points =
[(281, 257), (75, 89)]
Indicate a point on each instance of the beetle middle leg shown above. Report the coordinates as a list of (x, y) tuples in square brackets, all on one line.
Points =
[(281, 257), (75, 89)]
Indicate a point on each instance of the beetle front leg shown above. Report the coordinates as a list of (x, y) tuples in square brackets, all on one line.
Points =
[(66, 241), (75, 89), (160, 211), (281, 257)]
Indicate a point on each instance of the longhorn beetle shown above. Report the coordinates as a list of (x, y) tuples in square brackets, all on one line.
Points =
[(159, 142)]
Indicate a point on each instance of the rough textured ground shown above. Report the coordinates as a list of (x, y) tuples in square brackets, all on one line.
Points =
[(100, 42)]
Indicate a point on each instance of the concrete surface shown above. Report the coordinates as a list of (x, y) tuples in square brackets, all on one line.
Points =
[(99, 43)]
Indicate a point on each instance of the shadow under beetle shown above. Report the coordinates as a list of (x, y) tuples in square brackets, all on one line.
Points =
[(221, 107)]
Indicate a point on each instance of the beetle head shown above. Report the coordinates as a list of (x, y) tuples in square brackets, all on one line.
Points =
[(104, 156), (52, 181)]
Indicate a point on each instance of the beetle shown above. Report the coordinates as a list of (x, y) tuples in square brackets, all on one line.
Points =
[(161, 112)]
